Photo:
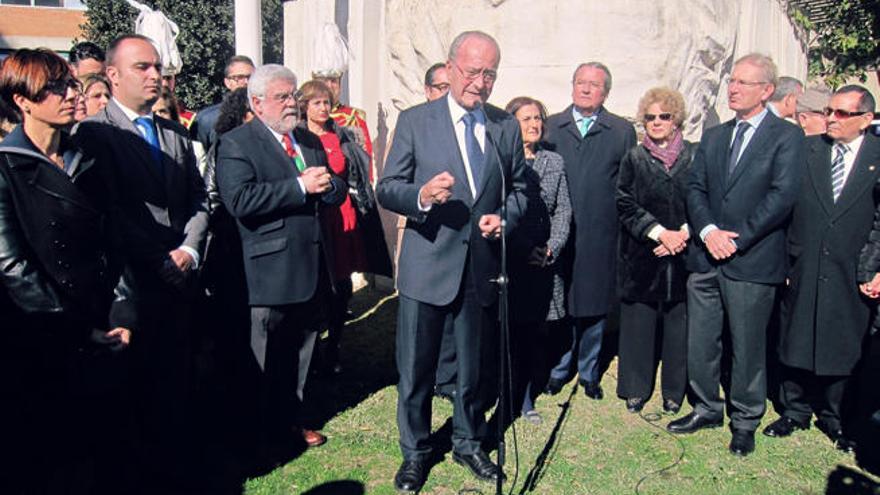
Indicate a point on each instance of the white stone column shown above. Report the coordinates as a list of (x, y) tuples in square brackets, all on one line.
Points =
[(249, 30)]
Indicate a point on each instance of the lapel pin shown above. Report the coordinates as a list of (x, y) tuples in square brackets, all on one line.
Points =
[(871, 168)]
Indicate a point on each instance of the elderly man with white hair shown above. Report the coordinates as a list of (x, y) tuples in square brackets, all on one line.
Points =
[(272, 178)]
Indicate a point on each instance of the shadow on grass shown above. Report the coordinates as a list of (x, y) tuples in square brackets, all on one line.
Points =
[(847, 481), (367, 358), (340, 487), (226, 426), (545, 457)]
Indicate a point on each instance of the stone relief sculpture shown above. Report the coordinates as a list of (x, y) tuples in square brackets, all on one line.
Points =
[(685, 44)]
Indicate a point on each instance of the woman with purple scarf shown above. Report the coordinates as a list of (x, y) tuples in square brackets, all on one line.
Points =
[(651, 189)]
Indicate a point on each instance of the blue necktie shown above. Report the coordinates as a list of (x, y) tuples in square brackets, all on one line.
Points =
[(474, 152), (741, 129), (145, 125)]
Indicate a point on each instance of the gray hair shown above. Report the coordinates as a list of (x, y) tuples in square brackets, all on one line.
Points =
[(784, 87), (464, 36), (595, 65), (762, 62), (866, 99), (265, 74)]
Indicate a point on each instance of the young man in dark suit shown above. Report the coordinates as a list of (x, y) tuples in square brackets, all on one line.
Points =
[(744, 181), (592, 141), (272, 177), (444, 173), (826, 317), (164, 207)]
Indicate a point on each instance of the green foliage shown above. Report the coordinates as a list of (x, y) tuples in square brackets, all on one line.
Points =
[(273, 32), (845, 45), (206, 39)]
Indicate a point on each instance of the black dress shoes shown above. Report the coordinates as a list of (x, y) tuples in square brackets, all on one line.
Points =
[(691, 423), (635, 404), (783, 427), (410, 477), (479, 464), (670, 406), (592, 390), (554, 386), (836, 435), (742, 443)]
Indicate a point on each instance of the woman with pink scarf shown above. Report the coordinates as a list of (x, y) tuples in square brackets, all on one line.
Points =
[(651, 270)]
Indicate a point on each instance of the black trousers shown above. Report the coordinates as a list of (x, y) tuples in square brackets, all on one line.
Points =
[(163, 376), (746, 307), (803, 393), (446, 367), (283, 340), (420, 328), (639, 330)]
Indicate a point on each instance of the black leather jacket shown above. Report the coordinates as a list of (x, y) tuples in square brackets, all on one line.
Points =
[(57, 251)]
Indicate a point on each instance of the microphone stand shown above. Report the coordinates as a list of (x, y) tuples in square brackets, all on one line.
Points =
[(504, 341)]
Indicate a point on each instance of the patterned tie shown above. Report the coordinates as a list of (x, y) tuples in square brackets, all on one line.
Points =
[(145, 125), (837, 170), (291, 152), (474, 152), (735, 150)]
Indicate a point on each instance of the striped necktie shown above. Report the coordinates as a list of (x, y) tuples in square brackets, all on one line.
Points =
[(838, 178)]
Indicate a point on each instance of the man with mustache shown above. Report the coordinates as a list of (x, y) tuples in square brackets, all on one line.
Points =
[(164, 204), (273, 178), (826, 316)]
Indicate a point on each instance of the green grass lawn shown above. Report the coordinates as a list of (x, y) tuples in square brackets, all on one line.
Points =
[(583, 446)]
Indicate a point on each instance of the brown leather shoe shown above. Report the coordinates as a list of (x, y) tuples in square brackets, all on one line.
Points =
[(313, 438)]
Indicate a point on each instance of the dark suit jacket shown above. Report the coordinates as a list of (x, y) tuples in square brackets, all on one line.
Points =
[(755, 201), (202, 127), (163, 209), (826, 315), (278, 223), (591, 165), (437, 244)]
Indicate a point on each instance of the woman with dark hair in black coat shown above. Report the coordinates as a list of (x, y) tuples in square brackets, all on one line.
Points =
[(59, 375), (651, 270)]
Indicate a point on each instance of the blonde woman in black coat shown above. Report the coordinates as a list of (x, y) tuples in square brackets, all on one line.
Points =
[(651, 269)]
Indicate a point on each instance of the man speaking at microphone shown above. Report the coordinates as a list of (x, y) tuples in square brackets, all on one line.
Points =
[(444, 173)]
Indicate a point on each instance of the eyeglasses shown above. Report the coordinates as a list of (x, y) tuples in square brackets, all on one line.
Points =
[(440, 87), (285, 97), (740, 82), (60, 86), (840, 113), (665, 117), (239, 78), (488, 75)]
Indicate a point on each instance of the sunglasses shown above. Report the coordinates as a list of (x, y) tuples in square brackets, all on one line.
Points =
[(840, 114), (60, 86), (665, 117)]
